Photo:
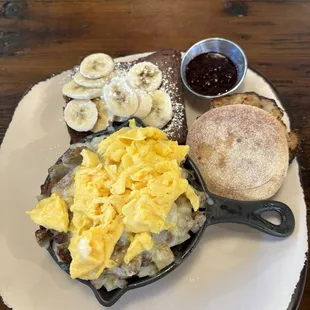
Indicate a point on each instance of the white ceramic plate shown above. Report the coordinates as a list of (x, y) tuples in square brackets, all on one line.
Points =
[(233, 268)]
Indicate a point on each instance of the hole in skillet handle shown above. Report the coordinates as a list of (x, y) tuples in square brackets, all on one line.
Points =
[(181, 251), (272, 217)]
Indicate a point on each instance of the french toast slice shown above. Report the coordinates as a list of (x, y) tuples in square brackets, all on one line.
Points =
[(169, 62)]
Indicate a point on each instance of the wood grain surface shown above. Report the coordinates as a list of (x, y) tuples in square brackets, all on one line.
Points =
[(42, 37)]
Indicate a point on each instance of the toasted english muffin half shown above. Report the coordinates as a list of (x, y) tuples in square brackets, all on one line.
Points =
[(267, 104), (241, 151)]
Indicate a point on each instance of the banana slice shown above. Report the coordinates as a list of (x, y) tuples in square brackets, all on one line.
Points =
[(120, 98), (145, 104), (105, 117), (145, 76), (161, 112), (76, 91), (120, 119), (80, 79), (96, 66), (81, 115)]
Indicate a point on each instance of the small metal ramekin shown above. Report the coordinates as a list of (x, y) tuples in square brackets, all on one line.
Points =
[(217, 45)]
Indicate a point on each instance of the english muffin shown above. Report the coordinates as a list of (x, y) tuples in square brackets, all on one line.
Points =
[(241, 151), (267, 104)]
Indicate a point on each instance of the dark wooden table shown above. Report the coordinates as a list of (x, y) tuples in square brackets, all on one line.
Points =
[(42, 37)]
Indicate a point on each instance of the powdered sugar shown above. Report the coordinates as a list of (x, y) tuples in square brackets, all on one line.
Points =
[(122, 68), (176, 125), (174, 129)]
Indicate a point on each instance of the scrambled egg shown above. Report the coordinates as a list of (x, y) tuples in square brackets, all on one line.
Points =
[(51, 213), (129, 185), (141, 242), (91, 250)]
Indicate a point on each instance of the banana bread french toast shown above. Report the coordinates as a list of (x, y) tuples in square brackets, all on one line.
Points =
[(168, 61)]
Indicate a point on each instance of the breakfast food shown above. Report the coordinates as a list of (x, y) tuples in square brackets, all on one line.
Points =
[(120, 98), (145, 76), (267, 104), (76, 91), (113, 206), (81, 115), (241, 151), (211, 74), (161, 111), (148, 88), (96, 66)]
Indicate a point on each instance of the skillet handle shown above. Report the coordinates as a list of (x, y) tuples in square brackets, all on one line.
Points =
[(250, 213)]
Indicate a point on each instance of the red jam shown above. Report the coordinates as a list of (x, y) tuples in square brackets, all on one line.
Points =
[(211, 74)]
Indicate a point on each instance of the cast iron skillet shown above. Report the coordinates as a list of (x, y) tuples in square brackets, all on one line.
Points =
[(218, 210)]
